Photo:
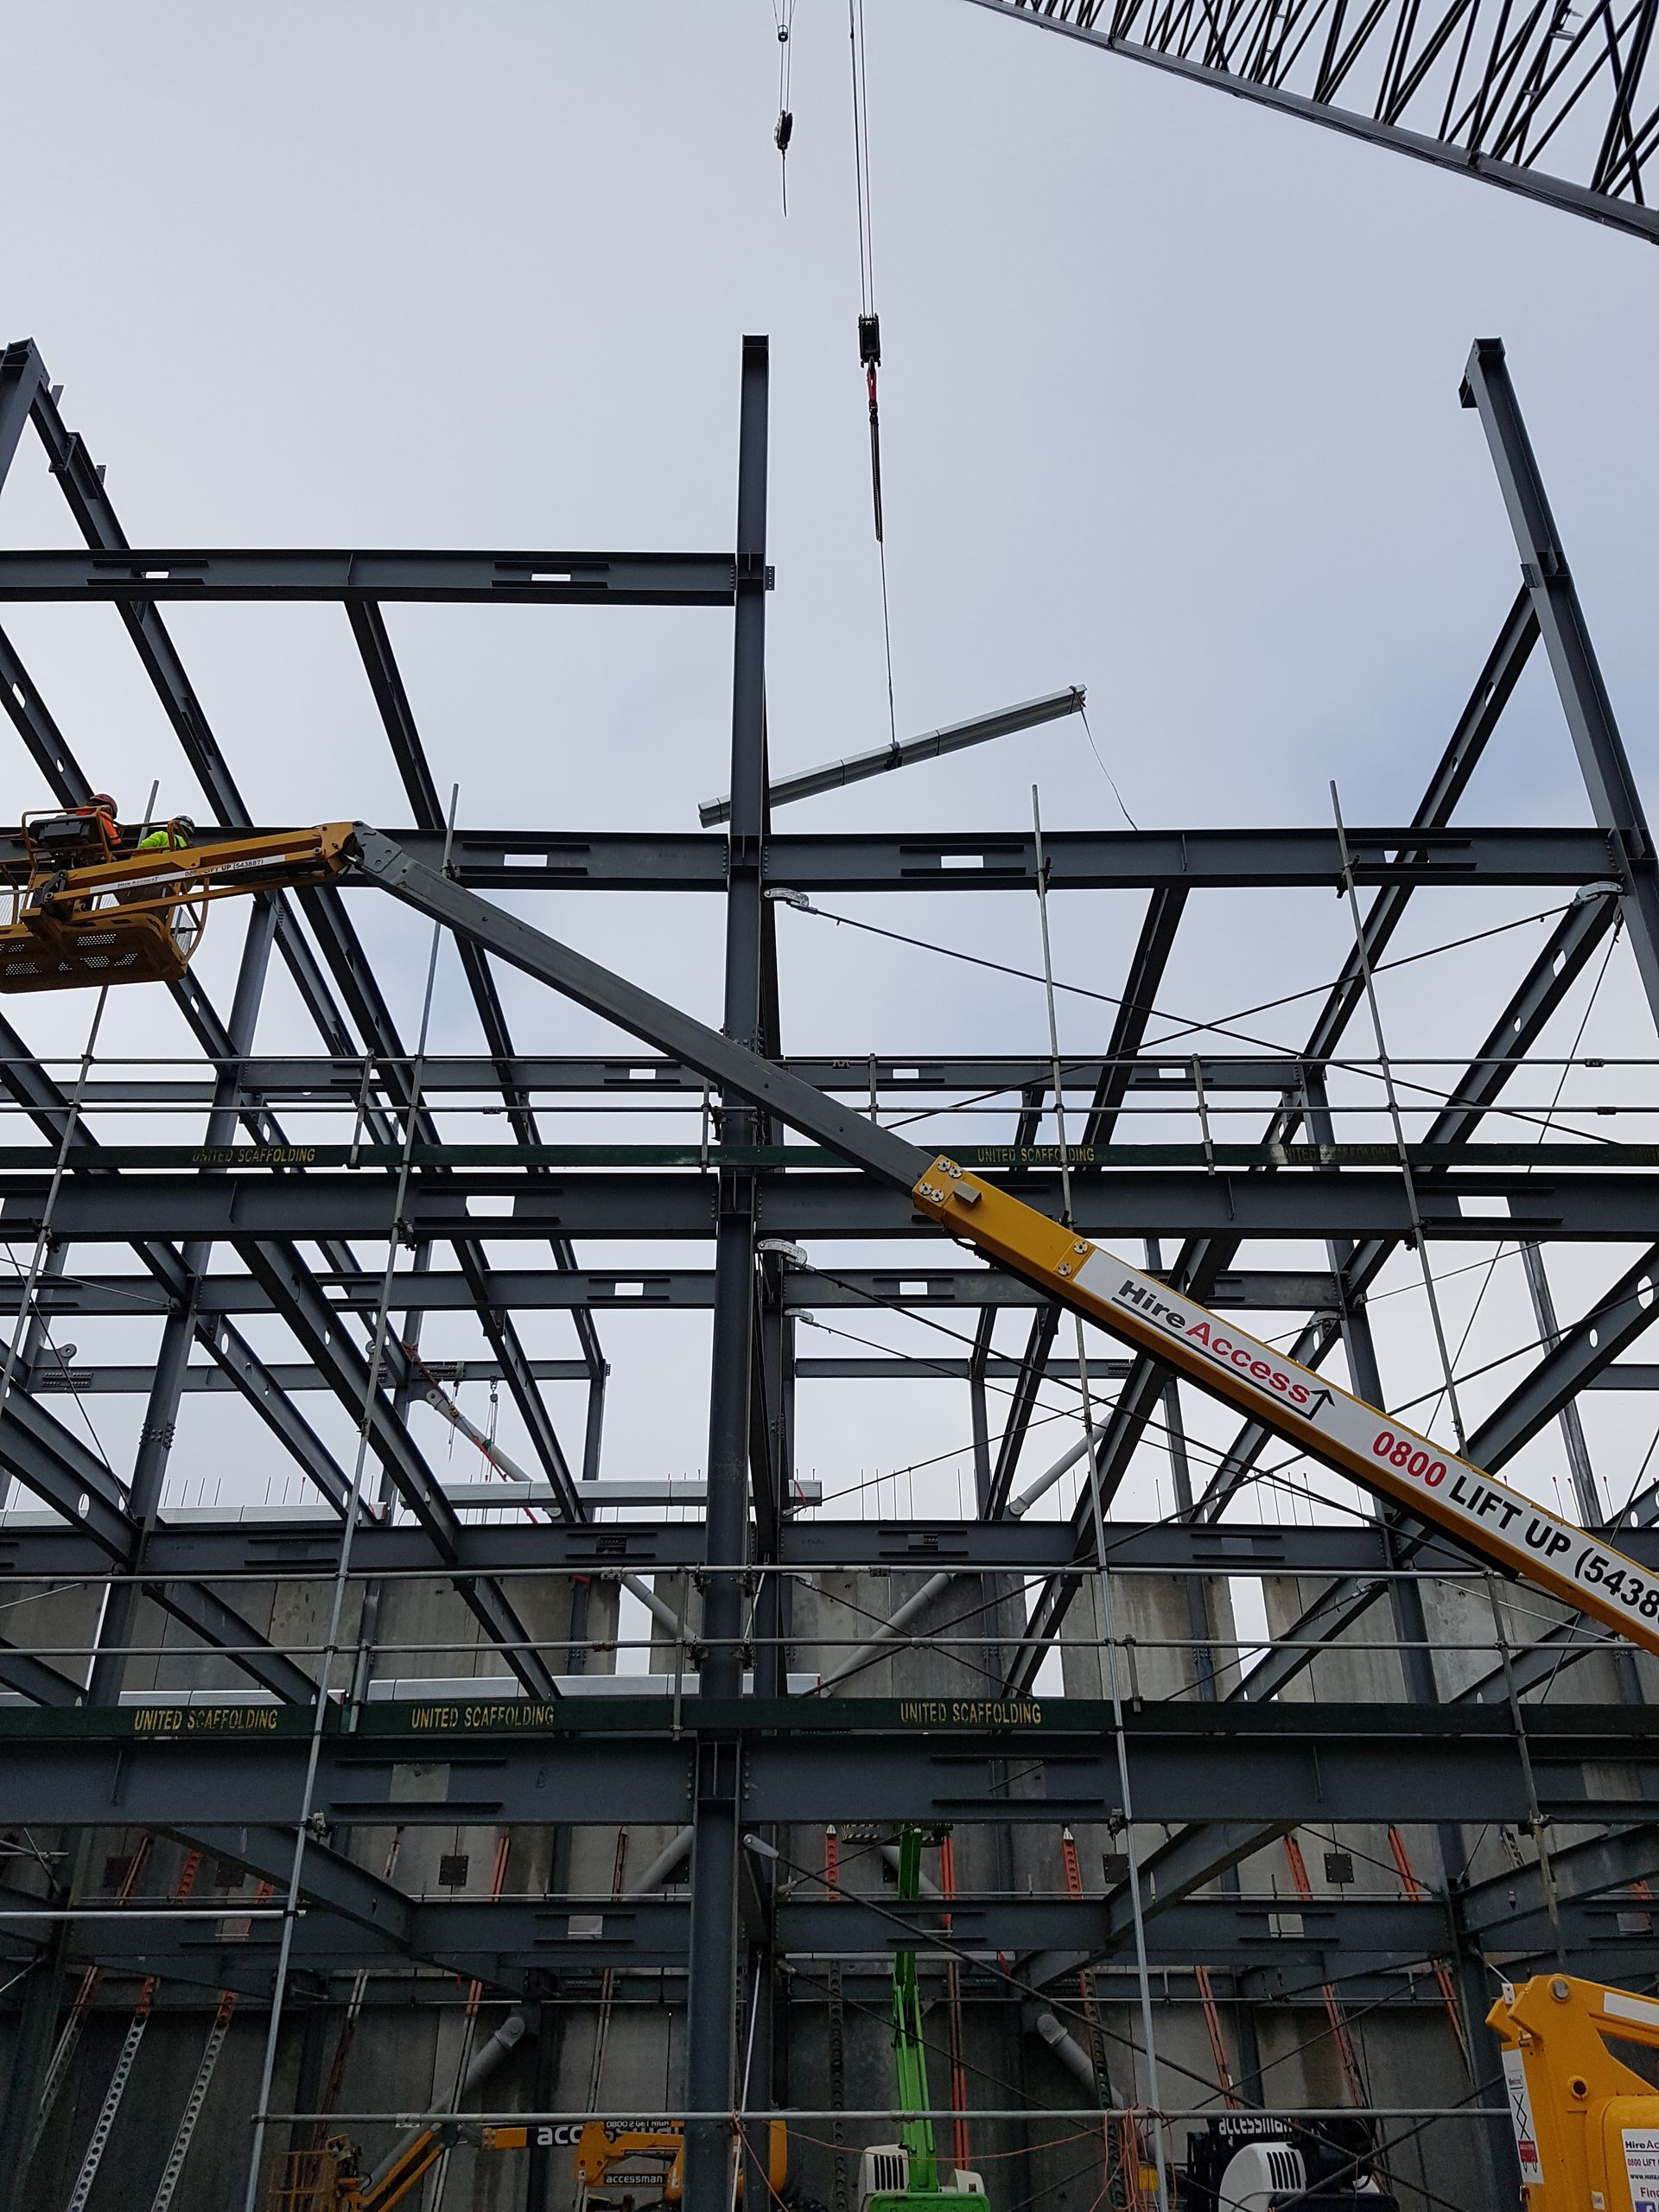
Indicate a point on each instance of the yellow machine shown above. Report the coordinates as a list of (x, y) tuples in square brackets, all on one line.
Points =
[(85, 910), (621, 2165), (1586, 2125), (636, 2165)]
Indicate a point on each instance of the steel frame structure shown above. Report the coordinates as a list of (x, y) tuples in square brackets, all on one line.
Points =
[(737, 1753)]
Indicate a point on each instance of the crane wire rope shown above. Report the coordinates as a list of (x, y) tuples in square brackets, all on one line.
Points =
[(783, 17), (870, 322), (1101, 763)]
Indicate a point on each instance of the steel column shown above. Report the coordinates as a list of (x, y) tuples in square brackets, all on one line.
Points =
[(712, 1999), (1614, 799)]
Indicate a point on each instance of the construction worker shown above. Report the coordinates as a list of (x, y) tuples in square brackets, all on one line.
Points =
[(171, 834), (169, 838)]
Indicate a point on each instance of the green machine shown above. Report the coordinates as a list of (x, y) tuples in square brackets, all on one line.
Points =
[(897, 2177)]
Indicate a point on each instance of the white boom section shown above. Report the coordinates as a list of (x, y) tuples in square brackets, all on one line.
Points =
[(1382, 1454)]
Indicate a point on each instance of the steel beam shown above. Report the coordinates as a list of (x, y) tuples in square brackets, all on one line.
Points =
[(717, 1795), (1479, 1206), (52, 1462), (266, 1546), (625, 1291), (145, 575), (1576, 1358), (1285, 1764), (32, 1678), (220, 1626), (1137, 1006), (854, 862), (23, 372)]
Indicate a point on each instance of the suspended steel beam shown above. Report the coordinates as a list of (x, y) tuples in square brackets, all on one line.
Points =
[(858, 767)]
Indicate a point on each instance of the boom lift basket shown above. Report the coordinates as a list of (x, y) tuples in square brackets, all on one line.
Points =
[(82, 912), (65, 931)]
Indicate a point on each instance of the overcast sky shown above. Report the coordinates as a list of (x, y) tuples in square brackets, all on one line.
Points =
[(1170, 410)]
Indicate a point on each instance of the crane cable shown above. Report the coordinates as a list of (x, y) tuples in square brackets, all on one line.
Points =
[(783, 17), (870, 322)]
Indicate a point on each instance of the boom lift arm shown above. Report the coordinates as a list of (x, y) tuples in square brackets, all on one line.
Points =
[(905, 2176), (909, 2054), (1331, 1425)]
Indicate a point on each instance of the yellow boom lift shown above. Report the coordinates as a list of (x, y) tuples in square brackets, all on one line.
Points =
[(63, 910), (1586, 2125)]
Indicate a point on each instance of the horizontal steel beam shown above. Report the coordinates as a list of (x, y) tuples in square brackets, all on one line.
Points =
[(633, 1291), (298, 1077), (1079, 859), (137, 574), (1141, 859), (1478, 1206), (1285, 1764), (502, 1940), (266, 1546)]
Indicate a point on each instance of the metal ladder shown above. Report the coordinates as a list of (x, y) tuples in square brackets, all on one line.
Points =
[(193, 2103), (123, 2065), (113, 2096), (1213, 2025), (57, 2072)]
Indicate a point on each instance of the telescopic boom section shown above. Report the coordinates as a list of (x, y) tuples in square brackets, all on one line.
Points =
[(1382, 1455)]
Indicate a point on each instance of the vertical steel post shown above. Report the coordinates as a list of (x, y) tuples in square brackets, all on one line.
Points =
[(712, 1996), (1603, 761)]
